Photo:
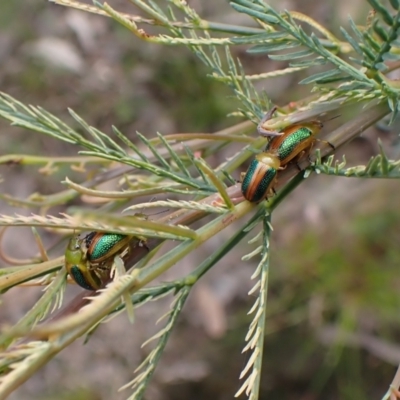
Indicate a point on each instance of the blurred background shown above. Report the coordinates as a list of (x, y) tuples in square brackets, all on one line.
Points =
[(333, 324)]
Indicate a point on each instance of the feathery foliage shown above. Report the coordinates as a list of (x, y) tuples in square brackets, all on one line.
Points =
[(351, 71)]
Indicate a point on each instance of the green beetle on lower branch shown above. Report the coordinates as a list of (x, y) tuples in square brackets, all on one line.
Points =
[(89, 260), (78, 266), (102, 246)]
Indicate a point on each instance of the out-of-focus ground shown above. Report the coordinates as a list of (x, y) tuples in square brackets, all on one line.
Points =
[(335, 259)]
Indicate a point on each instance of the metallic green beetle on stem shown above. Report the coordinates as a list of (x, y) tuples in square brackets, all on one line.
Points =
[(78, 266), (290, 145), (260, 177), (295, 142), (89, 260)]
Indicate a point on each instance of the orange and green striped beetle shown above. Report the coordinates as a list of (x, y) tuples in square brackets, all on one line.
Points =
[(295, 142), (259, 179), (291, 144)]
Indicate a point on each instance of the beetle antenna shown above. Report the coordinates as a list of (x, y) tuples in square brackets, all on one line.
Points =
[(330, 119)]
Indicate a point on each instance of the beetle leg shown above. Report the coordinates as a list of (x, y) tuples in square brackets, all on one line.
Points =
[(298, 166), (297, 159), (328, 143), (143, 243), (265, 118)]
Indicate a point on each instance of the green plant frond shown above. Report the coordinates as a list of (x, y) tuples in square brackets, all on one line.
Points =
[(106, 148), (144, 295), (96, 10), (260, 37), (201, 23), (39, 200), (265, 75), (39, 120), (194, 162), (378, 167), (35, 354), (161, 160), (228, 177), (291, 56), (163, 171), (233, 133), (99, 307), (153, 188), (20, 361), (154, 293), (118, 269), (328, 162), (151, 9), (210, 182), (47, 162), (256, 332), (188, 205), (318, 27), (289, 35), (322, 77), (107, 300), (149, 364), (164, 165), (16, 275), (130, 144), (256, 238), (134, 225), (205, 233), (160, 39), (354, 44), (30, 118), (217, 182), (53, 295), (212, 259), (295, 37), (235, 78), (187, 192), (245, 90), (89, 129), (255, 221), (102, 223), (254, 253), (274, 46), (378, 43), (174, 156)]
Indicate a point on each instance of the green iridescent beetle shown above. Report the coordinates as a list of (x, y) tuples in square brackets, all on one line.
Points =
[(295, 142), (78, 266), (89, 260), (260, 177), (102, 246)]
